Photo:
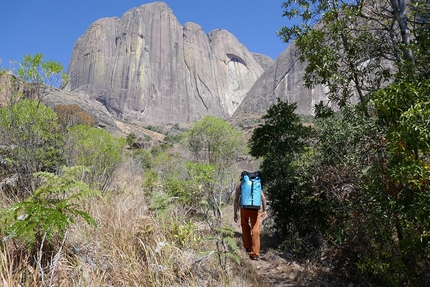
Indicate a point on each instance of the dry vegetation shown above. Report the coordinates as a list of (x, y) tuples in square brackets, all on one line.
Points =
[(132, 246)]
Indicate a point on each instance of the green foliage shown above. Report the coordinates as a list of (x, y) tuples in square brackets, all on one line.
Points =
[(154, 129), (227, 248), (367, 173), (30, 133), (150, 179), (352, 51), (195, 188), (131, 138), (179, 188), (351, 192), (28, 129), (213, 141), (159, 201), (172, 139), (97, 150), (33, 79), (141, 159), (323, 111), (52, 208), (34, 70), (404, 110), (185, 234), (281, 141)]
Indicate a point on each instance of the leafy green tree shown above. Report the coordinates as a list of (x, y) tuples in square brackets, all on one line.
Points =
[(203, 191), (200, 185), (281, 141), (131, 138), (33, 79), (379, 52), (28, 129), (214, 141), (97, 150), (30, 135), (404, 111), (215, 144), (356, 47)]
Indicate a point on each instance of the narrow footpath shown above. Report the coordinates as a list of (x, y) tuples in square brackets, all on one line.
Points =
[(274, 268)]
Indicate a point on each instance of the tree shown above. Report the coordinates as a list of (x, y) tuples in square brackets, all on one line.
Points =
[(29, 131), (281, 141), (30, 135), (131, 138), (377, 51), (34, 79), (404, 111), (208, 182), (96, 149), (356, 47), (40, 76), (213, 141)]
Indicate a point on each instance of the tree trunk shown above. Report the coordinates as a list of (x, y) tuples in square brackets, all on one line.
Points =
[(399, 11)]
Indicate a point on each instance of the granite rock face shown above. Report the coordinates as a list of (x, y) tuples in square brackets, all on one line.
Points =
[(147, 67), (264, 60), (284, 80)]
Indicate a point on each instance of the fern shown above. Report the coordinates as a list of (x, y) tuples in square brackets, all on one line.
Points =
[(232, 252), (226, 245), (52, 208)]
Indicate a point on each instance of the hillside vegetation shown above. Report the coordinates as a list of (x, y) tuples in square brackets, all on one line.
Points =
[(81, 207)]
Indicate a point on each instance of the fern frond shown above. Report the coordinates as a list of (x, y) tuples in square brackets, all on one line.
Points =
[(231, 256), (52, 208), (231, 243)]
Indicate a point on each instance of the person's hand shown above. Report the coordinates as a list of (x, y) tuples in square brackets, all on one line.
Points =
[(235, 217), (263, 215)]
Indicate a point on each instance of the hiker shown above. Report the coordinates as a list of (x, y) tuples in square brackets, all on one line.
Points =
[(250, 215)]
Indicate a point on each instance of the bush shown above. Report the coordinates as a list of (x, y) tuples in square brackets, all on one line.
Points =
[(30, 134), (97, 150), (71, 115)]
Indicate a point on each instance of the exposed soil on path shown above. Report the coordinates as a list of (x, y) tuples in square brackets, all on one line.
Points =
[(275, 268)]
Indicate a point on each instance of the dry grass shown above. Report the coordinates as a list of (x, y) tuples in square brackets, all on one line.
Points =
[(132, 246)]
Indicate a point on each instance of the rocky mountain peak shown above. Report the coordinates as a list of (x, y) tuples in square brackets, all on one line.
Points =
[(147, 67)]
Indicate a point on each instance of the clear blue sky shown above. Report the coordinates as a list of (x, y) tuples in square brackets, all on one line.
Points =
[(51, 27)]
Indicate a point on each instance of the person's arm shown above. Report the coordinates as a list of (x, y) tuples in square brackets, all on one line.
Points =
[(236, 202), (263, 213)]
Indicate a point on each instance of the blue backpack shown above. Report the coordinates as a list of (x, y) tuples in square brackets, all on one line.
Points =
[(250, 194)]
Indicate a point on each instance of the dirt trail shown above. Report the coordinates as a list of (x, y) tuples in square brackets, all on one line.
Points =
[(272, 268)]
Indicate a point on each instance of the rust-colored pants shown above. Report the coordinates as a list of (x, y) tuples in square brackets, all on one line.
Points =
[(251, 233)]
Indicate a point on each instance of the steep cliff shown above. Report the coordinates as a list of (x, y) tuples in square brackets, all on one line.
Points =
[(284, 80), (264, 60), (146, 67)]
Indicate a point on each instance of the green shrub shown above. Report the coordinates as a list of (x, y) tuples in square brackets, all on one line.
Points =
[(96, 149), (30, 134)]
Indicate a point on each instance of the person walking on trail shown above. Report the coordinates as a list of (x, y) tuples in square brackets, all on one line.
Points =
[(250, 198)]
